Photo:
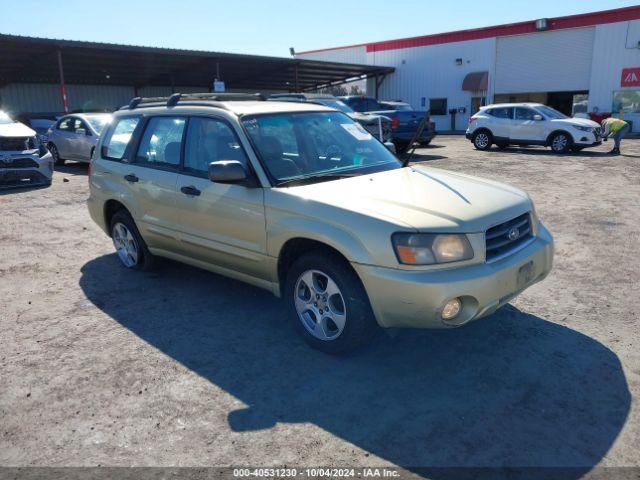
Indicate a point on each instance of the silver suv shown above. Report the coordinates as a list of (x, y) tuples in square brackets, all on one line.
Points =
[(300, 200)]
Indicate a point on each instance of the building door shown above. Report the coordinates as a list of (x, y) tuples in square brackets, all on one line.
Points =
[(476, 103)]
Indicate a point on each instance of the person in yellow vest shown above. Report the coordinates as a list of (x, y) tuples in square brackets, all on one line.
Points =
[(617, 128)]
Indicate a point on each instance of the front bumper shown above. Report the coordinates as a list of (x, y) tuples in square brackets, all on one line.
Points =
[(586, 139), (411, 298), (30, 170)]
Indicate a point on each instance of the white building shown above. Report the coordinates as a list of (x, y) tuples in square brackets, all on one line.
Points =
[(577, 64)]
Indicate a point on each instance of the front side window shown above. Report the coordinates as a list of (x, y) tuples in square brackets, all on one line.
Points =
[(66, 124), (551, 112), (524, 113), (160, 144), (115, 144), (308, 146), (210, 140), (438, 106)]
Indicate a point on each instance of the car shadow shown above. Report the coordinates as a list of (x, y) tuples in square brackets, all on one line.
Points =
[(548, 152), (511, 390), (73, 168)]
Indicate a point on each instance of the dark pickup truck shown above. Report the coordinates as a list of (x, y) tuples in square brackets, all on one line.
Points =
[(404, 120)]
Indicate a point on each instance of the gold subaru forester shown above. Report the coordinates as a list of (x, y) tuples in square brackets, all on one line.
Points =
[(302, 201)]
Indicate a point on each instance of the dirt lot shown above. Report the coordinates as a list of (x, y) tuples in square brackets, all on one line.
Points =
[(104, 366)]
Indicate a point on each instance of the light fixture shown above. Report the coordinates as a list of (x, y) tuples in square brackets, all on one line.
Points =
[(451, 309), (458, 61), (542, 24)]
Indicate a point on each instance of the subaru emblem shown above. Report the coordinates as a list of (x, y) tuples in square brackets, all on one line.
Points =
[(514, 234)]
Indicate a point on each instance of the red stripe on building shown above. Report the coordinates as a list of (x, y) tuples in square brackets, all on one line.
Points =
[(559, 23)]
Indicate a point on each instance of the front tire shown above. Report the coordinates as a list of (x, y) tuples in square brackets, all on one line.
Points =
[(561, 142), (328, 303), (482, 140), (55, 154), (130, 247)]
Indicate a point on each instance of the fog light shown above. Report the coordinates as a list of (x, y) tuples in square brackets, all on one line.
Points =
[(451, 309)]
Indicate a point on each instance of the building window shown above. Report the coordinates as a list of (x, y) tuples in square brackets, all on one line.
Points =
[(626, 102), (438, 106)]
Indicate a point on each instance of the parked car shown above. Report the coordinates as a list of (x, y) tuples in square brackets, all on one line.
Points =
[(300, 200), (377, 125), (404, 123), (24, 161), (531, 124), (75, 136)]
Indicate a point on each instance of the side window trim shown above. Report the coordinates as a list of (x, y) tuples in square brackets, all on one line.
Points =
[(250, 169)]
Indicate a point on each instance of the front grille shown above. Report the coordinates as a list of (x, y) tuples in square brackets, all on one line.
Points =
[(18, 163), (508, 236), (16, 144)]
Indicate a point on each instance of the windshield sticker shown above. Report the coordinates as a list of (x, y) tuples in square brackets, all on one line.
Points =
[(356, 130)]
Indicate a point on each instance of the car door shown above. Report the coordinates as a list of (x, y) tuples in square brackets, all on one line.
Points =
[(150, 174), (62, 135), (525, 127), (500, 125), (220, 224), (80, 141)]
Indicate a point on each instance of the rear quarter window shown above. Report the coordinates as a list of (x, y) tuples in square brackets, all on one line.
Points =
[(118, 138)]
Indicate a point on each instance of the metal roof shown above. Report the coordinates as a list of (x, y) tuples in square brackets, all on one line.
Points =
[(34, 60)]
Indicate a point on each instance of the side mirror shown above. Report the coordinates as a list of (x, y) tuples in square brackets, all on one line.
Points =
[(81, 131), (391, 147), (538, 118), (227, 171)]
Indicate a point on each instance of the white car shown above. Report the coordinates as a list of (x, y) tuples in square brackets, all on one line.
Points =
[(531, 124), (75, 136), (24, 161)]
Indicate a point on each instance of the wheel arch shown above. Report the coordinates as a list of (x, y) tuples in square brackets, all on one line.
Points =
[(295, 247), (111, 207), (556, 132)]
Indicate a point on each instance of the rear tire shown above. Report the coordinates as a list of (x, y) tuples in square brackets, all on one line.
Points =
[(561, 142), (130, 247), (328, 303), (482, 140), (55, 154)]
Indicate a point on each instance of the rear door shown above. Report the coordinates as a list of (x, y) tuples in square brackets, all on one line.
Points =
[(80, 141), (221, 224), (501, 121), (62, 135)]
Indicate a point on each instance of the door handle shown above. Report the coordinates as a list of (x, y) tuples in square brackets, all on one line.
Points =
[(190, 190), (131, 178)]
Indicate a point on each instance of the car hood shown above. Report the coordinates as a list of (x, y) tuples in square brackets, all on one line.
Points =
[(367, 118), (422, 198), (584, 122), (15, 129)]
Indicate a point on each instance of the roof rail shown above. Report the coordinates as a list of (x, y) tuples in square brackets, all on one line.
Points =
[(176, 98)]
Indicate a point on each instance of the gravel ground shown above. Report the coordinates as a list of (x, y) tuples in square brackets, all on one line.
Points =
[(180, 367)]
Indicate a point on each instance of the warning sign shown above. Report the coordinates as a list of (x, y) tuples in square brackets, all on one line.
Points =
[(630, 77)]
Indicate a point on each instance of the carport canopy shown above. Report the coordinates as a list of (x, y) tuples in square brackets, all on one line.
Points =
[(40, 60)]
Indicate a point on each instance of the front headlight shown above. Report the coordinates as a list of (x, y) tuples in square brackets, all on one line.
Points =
[(583, 129), (431, 248)]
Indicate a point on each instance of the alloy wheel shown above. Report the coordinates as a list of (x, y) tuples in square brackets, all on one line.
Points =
[(559, 143), (482, 140), (320, 305), (126, 245)]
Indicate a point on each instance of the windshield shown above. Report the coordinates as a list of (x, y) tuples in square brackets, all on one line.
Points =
[(4, 118), (99, 122), (551, 112), (310, 145), (337, 104)]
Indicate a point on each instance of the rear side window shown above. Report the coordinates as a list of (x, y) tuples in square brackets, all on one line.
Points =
[(210, 140), (372, 105), (503, 112), (115, 144), (160, 144)]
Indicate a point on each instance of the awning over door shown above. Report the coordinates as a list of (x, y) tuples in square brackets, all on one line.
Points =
[(476, 81)]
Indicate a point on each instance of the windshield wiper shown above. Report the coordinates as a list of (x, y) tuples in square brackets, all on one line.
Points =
[(324, 177)]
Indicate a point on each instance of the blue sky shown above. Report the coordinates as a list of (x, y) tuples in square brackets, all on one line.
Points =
[(268, 27)]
